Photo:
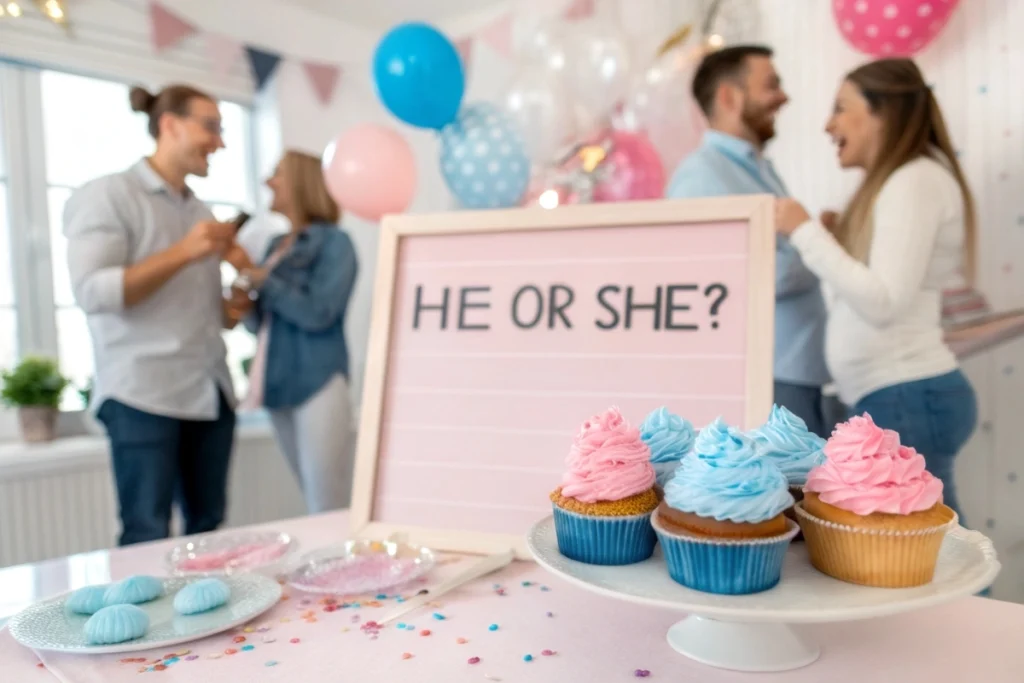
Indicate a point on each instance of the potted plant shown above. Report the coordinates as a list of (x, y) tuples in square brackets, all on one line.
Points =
[(34, 387)]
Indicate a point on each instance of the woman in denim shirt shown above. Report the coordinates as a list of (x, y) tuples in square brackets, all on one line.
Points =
[(300, 373)]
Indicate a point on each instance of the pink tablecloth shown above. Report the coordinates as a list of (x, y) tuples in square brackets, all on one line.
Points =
[(593, 639)]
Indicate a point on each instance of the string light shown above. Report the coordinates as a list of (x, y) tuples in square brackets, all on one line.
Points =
[(53, 9), (548, 199), (715, 41), (14, 9)]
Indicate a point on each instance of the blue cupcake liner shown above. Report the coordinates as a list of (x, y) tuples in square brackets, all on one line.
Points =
[(604, 540), (725, 566)]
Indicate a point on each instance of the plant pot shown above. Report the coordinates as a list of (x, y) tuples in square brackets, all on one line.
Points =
[(38, 423)]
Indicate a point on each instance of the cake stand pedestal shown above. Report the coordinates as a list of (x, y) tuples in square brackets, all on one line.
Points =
[(761, 632)]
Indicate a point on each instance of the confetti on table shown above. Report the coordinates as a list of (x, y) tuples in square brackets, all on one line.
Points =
[(294, 640), (544, 589), (474, 660), (491, 678), (401, 625), (214, 655), (492, 627), (248, 629), (641, 673), (246, 648), (527, 658), (406, 655), (159, 667), (551, 614), (239, 639), (527, 584), (272, 662), (382, 597), (230, 651), (439, 616), (461, 641), (425, 632), (269, 639), (548, 653)]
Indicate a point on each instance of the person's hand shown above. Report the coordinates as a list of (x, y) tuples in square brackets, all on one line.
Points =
[(830, 219), (207, 238), (789, 215), (237, 257), (236, 307)]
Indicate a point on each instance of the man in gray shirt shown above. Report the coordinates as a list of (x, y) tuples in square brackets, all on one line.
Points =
[(144, 258)]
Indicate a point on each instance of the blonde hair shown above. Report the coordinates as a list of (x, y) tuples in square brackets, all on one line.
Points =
[(913, 126), (311, 201)]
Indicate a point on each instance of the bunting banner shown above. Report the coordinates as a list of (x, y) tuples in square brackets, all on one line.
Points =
[(223, 53), (579, 9), (263, 64), (166, 28), (498, 35), (323, 78), (465, 50)]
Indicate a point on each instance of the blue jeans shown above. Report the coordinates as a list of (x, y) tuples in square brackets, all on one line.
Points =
[(935, 416), (157, 459)]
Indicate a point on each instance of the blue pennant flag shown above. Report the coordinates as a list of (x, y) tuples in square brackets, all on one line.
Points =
[(263, 65)]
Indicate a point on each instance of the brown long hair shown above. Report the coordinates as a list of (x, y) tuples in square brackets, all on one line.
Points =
[(174, 99), (310, 198), (913, 126)]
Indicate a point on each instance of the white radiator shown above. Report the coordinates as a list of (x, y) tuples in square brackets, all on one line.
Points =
[(58, 499)]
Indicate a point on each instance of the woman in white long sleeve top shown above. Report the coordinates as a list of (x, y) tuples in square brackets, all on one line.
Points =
[(908, 233)]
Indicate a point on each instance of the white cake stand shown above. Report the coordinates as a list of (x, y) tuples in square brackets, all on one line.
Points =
[(753, 632)]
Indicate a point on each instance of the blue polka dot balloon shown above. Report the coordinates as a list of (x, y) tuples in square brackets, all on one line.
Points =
[(483, 158)]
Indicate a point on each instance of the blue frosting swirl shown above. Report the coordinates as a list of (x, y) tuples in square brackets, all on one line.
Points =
[(723, 478), (785, 439), (669, 436)]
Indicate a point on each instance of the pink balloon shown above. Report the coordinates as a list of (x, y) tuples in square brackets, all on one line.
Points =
[(370, 171), (635, 170), (891, 28)]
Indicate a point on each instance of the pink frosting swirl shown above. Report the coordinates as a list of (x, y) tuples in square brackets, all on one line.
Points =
[(867, 470), (608, 461)]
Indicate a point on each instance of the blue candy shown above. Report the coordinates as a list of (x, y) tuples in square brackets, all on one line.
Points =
[(201, 596), (134, 590), (116, 624), (88, 600)]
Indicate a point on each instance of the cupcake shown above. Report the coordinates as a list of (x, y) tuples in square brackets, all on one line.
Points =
[(603, 507), (669, 437), (871, 514), (786, 441), (721, 525)]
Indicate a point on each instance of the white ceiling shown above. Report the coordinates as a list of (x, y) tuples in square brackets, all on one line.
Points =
[(382, 14)]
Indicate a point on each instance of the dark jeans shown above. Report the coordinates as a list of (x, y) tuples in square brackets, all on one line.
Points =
[(158, 458), (935, 416), (821, 413)]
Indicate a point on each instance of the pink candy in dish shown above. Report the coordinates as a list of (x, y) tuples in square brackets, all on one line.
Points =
[(360, 567), (231, 552)]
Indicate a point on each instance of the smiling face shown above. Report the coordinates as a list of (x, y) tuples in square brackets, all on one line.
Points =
[(856, 131), (761, 99), (194, 136)]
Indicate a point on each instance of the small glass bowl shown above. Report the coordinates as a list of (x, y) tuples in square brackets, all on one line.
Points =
[(361, 567), (231, 552)]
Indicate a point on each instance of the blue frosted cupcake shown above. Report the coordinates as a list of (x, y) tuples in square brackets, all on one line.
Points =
[(603, 508), (669, 437), (721, 525), (795, 450)]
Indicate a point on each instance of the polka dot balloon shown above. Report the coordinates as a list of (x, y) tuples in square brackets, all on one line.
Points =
[(891, 28), (483, 158)]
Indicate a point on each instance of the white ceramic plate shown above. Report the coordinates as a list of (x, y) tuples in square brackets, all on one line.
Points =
[(361, 567), (967, 564), (231, 552), (49, 625)]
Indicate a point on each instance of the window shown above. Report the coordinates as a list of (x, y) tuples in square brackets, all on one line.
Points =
[(8, 322), (79, 128)]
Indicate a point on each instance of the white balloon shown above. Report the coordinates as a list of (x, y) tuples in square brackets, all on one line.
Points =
[(598, 67), (541, 105)]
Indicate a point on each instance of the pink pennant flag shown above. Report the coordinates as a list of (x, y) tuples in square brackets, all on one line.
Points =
[(465, 50), (323, 78), (166, 28), (579, 9), (498, 35), (222, 52)]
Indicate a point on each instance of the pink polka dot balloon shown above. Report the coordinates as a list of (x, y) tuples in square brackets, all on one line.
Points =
[(891, 28)]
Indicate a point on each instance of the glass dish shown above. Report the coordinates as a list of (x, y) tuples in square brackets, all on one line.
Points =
[(361, 567), (230, 552)]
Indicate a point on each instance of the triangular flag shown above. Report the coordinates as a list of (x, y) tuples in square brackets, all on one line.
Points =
[(263, 65), (465, 50), (324, 78), (167, 29), (222, 52), (579, 9), (498, 35)]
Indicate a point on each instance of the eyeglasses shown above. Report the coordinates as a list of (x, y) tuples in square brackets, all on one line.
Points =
[(210, 125)]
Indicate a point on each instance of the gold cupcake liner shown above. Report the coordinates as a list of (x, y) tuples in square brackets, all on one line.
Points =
[(873, 557)]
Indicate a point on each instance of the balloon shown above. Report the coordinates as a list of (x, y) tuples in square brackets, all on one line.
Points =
[(635, 171), (544, 45), (661, 104), (483, 158), (891, 28), (539, 103), (370, 171), (597, 70), (418, 75)]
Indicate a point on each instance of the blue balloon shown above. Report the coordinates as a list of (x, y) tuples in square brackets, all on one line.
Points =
[(418, 75), (483, 158)]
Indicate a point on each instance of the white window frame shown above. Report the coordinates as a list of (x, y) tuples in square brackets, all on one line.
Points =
[(21, 117)]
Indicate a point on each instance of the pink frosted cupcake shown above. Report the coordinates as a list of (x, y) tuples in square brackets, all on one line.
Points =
[(872, 514), (603, 507)]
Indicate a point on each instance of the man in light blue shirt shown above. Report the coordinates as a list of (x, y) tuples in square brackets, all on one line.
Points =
[(740, 93)]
